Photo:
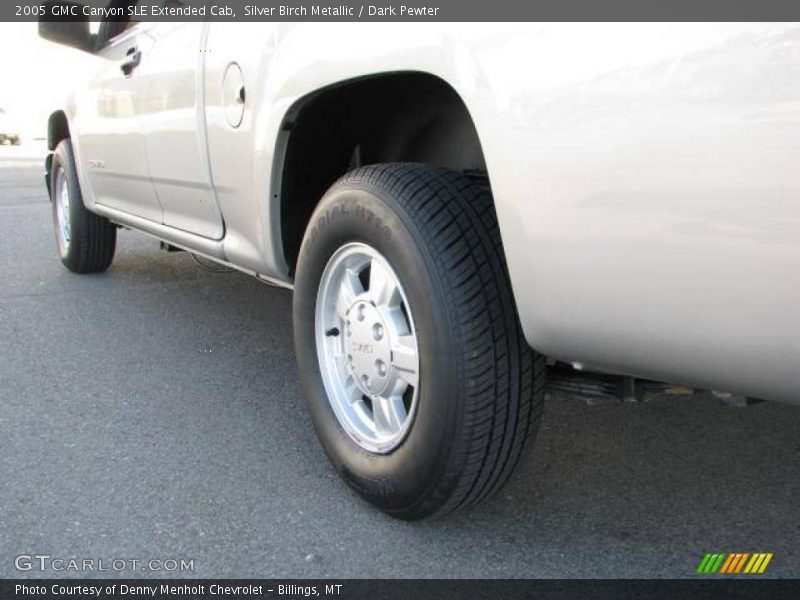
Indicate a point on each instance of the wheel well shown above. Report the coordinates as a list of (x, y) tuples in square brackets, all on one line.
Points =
[(57, 129), (399, 117)]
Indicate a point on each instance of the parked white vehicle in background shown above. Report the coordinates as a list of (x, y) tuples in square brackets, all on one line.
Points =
[(8, 132), (452, 206)]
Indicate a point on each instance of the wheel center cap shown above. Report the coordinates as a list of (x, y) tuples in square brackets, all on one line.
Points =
[(368, 349)]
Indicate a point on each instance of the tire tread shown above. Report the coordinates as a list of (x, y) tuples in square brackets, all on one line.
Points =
[(501, 376)]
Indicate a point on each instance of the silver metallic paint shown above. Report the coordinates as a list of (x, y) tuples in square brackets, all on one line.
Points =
[(645, 176)]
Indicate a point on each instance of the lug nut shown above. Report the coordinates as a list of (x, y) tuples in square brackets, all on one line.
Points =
[(380, 367), (377, 332)]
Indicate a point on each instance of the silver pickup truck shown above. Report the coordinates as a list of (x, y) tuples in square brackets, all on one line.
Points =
[(451, 204)]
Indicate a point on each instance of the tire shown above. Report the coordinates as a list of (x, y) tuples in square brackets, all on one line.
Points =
[(85, 241), (480, 387)]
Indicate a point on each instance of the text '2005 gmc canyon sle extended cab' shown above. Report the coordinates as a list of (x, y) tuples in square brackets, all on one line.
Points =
[(452, 206)]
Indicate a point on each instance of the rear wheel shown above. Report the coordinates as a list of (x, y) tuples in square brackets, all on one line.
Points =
[(85, 241), (422, 389)]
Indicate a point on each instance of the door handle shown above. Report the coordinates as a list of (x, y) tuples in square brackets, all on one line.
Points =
[(132, 59)]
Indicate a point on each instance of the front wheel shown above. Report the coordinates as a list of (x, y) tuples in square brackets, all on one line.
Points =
[(85, 241), (422, 389)]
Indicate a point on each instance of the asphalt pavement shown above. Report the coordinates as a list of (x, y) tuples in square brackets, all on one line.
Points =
[(154, 412)]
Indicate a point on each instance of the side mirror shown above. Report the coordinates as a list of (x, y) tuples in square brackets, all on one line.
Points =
[(65, 23)]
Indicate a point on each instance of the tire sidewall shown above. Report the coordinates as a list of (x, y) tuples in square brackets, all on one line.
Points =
[(400, 480)]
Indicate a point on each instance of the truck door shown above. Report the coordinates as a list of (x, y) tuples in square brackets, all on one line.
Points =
[(110, 125), (175, 129)]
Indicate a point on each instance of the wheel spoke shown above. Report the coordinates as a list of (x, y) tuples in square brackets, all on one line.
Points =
[(353, 393), (382, 285), (405, 359), (389, 414), (348, 291)]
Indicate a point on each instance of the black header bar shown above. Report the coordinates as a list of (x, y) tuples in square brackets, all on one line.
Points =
[(415, 11)]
